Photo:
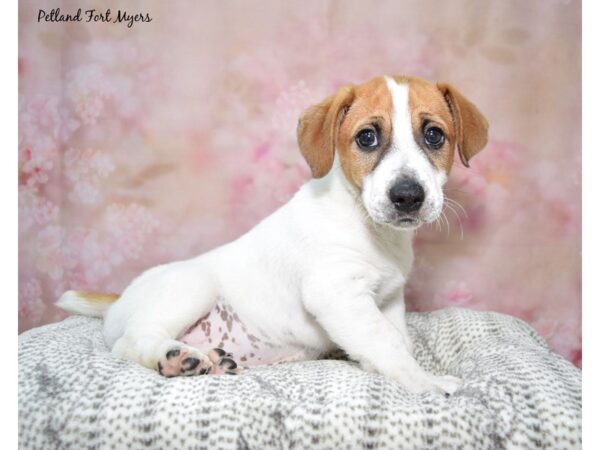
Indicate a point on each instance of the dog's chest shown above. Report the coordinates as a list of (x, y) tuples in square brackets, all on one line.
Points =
[(392, 264), (389, 284)]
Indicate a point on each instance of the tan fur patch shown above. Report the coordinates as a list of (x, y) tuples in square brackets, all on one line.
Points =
[(371, 108), (470, 126)]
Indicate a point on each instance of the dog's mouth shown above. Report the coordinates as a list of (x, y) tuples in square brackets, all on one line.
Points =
[(407, 223), (397, 220)]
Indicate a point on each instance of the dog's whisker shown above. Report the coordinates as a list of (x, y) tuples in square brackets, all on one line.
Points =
[(450, 203), (441, 218), (447, 223), (451, 208), (458, 218), (438, 221), (458, 205)]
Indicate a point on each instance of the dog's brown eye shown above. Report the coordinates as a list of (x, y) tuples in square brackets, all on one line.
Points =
[(434, 137), (367, 139)]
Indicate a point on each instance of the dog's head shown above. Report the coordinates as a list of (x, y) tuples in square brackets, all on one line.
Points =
[(395, 139)]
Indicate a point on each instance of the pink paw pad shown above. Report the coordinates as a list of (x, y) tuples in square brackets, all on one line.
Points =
[(182, 362), (222, 362)]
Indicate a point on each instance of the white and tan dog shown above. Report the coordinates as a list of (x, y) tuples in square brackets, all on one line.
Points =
[(328, 268)]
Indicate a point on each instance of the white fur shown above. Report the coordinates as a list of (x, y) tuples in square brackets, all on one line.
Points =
[(316, 274)]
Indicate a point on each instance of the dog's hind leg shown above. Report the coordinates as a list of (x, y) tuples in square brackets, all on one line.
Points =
[(144, 324)]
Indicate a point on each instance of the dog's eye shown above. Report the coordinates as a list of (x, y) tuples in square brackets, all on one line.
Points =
[(434, 137), (367, 139)]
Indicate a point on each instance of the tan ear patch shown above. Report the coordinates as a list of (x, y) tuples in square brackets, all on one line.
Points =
[(471, 127), (318, 130), (334, 123)]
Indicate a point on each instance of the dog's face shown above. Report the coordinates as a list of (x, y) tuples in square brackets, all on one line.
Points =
[(395, 138)]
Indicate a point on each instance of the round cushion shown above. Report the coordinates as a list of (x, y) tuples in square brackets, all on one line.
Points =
[(517, 393)]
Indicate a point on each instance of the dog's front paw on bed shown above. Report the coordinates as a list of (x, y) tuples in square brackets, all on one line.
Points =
[(447, 384), (184, 361), (426, 382)]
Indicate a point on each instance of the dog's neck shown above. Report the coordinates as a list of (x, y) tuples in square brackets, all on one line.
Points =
[(344, 199)]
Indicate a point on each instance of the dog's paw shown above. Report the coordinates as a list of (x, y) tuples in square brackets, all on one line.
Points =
[(426, 382), (447, 384), (222, 362), (184, 361)]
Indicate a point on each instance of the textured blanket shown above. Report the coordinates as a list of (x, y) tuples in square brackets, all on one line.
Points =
[(517, 394)]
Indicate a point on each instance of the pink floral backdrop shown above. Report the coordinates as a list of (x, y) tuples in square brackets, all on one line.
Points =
[(145, 144)]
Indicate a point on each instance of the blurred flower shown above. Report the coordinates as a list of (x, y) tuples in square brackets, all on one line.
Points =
[(31, 304), (43, 125), (289, 105), (49, 251), (130, 228), (88, 89), (84, 169), (37, 161), (34, 209), (44, 117)]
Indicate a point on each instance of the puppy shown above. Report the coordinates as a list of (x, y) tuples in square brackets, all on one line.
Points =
[(328, 268)]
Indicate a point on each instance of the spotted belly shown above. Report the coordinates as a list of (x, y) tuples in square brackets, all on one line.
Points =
[(222, 328)]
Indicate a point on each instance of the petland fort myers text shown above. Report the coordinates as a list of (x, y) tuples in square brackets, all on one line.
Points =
[(93, 15)]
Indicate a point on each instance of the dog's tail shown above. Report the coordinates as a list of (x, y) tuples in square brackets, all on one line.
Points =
[(86, 303)]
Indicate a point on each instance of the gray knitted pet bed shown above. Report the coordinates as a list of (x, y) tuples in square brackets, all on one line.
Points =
[(73, 394)]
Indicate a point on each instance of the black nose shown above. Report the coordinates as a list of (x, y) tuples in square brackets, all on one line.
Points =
[(407, 195)]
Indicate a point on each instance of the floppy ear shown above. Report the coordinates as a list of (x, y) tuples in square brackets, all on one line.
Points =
[(318, 129), (470, 127)]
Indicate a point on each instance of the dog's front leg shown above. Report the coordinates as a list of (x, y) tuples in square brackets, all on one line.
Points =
[(395, 312), (347, 312)]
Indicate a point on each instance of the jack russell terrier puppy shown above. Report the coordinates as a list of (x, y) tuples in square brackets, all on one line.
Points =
[(328, 268)]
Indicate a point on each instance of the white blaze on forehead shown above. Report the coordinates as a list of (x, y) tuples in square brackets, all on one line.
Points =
[(401, 120)]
